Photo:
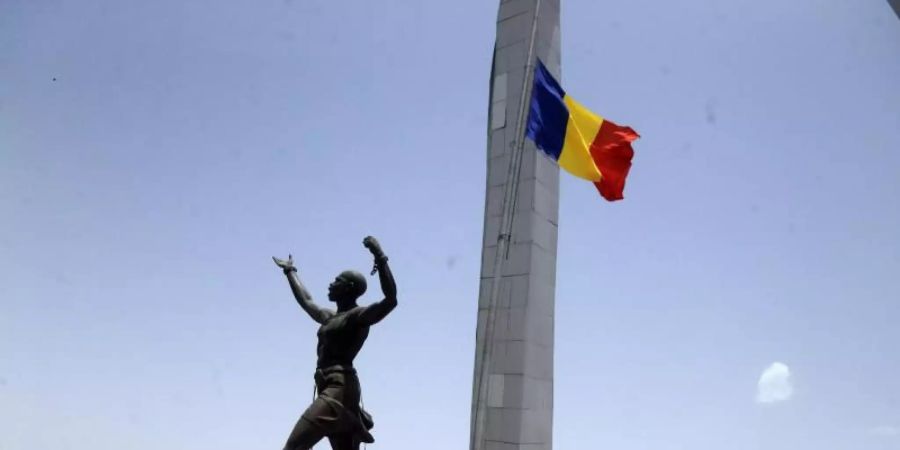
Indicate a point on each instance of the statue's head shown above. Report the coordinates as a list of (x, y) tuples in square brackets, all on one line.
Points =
[(349, 285)]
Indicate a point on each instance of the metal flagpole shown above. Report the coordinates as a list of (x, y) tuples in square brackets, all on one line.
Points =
[(510, 200)]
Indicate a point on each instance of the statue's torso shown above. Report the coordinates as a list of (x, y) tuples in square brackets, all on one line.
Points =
[(340, 339)]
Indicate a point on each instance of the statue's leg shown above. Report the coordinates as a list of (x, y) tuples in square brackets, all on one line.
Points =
[(304, 436), (344, 441)]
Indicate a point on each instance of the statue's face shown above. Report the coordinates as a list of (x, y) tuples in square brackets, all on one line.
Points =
[(339, 288), (349, 285)]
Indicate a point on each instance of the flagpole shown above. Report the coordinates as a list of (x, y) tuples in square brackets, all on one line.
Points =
[(510, 200)]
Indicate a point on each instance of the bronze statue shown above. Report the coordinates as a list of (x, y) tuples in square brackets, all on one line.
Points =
[(336, 412)]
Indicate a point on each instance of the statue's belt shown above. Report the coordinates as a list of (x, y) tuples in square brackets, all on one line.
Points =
[(336, 369)]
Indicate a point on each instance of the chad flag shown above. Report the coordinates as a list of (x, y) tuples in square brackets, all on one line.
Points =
[(585, 144)]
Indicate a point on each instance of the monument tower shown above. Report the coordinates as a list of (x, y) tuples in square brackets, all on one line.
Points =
[(512, 404)]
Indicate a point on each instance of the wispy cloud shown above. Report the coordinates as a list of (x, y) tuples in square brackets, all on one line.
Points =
[(775, 384), (886, 430)]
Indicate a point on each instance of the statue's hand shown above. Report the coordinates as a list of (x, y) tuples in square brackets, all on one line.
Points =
[(373, 246), (286, 265)]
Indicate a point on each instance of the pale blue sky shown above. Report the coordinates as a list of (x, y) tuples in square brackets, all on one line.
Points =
[(182, 144)]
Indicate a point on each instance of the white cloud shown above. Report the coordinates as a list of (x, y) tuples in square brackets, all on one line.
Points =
[(774, 384), (886, 430)]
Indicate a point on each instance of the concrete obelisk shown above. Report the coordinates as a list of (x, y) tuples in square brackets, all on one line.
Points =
[(512, 405)]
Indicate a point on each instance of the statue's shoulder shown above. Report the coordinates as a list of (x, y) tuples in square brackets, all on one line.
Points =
[(327, 315), (349, 317)]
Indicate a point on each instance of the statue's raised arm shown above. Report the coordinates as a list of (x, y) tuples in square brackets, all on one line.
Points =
[(372, 314), (302, 295)]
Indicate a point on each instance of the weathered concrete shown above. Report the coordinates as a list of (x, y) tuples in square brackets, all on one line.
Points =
[(519, 399)]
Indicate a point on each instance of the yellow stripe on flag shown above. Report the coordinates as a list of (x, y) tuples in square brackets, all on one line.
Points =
[(581, 129)]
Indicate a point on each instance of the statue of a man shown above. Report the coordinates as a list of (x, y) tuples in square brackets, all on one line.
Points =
[(336, 412)]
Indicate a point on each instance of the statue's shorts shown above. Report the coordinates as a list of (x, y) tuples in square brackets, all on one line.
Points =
[(336, 409)]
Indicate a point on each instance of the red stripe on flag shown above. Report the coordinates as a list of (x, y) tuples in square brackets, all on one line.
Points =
[(612, 153)]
